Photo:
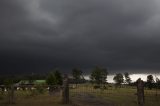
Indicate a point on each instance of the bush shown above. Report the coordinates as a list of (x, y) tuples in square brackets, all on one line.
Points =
[(105, 87), (37, 91), (40, 89), (34, 92), (1, 97), (96, 86)]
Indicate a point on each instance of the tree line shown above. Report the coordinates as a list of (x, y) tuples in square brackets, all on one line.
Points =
[(98, 77)]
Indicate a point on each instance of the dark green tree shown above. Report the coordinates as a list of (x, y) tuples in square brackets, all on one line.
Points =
[(118, 78), (77, 75), (8, 82), (150, 81), (58, 77), (51, 80), (54, 78), (99, 75), (127, 78), (31, 78), (158, 83)]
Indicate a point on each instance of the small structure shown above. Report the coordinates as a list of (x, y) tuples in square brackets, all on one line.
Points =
[(25, 84), (35, 82)]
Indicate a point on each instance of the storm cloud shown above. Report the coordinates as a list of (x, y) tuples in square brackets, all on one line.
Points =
[(39, 35)]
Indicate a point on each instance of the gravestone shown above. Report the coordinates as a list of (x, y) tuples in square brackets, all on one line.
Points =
[(140, 92), (65, 90)]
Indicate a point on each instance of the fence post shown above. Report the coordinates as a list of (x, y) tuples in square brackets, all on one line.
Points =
[(11, 94), (140, 92), (65, 90)]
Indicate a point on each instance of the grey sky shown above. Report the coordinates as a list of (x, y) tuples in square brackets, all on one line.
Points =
[(39, 35)]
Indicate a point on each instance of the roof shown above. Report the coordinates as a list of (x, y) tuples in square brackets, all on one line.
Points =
[(36, 82), (40, 82)]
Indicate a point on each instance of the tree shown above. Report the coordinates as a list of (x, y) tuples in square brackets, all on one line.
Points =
[(118, 78), (77, 75), (150, 81), (127, 78), (31, 78), (51, 80), (158, 83), (58, 77), (54, 78), (99, 75)]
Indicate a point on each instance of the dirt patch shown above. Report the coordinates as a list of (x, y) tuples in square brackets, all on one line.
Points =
[(89, 100)]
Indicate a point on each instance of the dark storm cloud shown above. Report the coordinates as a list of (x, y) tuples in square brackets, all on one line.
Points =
[(39, 35)]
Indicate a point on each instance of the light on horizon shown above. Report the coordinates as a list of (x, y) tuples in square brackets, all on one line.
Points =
[(134, 77)]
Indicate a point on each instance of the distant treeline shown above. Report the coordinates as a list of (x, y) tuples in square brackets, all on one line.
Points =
[(98, 77)]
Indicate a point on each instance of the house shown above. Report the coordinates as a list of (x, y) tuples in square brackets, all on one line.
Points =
[(26, 84)]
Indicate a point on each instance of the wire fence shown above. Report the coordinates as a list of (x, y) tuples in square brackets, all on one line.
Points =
[(123, 95)]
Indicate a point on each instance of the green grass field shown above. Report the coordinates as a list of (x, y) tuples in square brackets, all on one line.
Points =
[(118, 97)]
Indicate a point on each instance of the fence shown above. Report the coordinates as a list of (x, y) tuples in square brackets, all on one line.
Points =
[(11, 92), (121, 96), (89, 92)]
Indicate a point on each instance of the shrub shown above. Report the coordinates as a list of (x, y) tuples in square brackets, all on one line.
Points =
[(40, 89), (96, 86)]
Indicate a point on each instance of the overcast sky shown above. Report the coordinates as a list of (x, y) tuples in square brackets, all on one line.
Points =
[(40, 35)]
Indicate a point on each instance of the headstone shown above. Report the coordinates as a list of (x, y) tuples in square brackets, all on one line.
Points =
[(65, 90), (140, 92)]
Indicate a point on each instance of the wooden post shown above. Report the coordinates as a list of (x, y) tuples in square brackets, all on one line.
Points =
[(140, 92), (65, 90), (11, 95)]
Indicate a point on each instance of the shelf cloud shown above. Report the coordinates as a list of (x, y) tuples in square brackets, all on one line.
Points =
[(39, 35)]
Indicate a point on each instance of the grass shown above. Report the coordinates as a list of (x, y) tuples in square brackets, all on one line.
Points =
[(120, 96), (26, 98)]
